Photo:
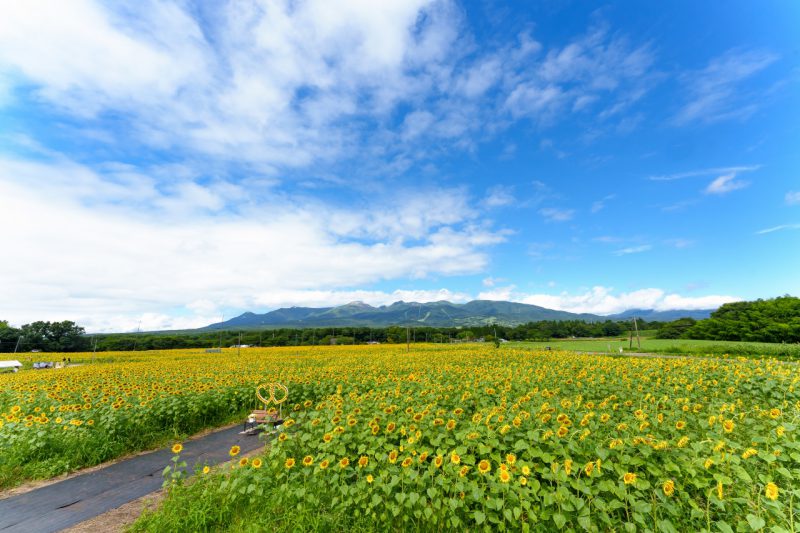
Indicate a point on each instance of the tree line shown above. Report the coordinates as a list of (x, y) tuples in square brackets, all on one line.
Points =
[(63, 336), (771, 320), (69, 337)]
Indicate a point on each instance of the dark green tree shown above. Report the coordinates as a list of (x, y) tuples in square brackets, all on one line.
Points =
[(63, 336), (8, 337)]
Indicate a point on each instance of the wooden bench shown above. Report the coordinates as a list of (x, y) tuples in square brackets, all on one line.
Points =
[(261, 417)]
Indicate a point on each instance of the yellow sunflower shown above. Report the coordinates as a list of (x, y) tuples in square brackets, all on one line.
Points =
[(771, 491)]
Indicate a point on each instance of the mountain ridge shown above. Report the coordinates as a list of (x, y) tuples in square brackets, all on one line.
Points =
[(435, 314)]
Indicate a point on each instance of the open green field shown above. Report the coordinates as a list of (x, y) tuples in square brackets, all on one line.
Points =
[(670, 346)]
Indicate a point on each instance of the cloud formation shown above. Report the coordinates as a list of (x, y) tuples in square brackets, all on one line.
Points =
[(285, 85), (718, 91), (83, 249), (704, 172), (777, 228), (725, 184), (602, 300), (634, 250), (557, 214)]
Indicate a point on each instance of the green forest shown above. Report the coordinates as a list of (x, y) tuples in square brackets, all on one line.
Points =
[(772, 320)]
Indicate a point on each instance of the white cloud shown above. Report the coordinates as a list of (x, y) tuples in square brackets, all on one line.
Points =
[(634, 250), (283, 84), (498, 294), (573, 78), (778, 228), (603, 301), (715, 92), (271, 84), (679, 243), (557, 214), (81, 255), (704, 172), (725, 184), (499, 195), (793, 198), (599, 205)]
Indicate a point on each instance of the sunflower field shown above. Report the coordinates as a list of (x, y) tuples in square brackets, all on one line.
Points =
[(447, 437), (57, 420), (473, 437)]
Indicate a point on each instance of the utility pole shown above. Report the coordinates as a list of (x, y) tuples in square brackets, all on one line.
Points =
[(17, 346), (408, 339), (221, 320), (136, 338), (638, 339), (94, 352)]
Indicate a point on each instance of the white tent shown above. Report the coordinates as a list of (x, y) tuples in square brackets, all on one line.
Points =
[(11, 364)]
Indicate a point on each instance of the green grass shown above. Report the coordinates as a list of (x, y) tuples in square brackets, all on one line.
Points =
[(214, 502), (670, 346)]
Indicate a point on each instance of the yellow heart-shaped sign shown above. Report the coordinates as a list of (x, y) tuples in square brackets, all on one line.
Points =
[(266, 392), (280, 388)]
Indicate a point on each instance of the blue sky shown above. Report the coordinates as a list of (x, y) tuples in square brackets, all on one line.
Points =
[(166, 163)]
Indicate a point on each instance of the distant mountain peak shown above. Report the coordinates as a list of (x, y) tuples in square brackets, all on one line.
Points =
[(435, 314), (359, 303)]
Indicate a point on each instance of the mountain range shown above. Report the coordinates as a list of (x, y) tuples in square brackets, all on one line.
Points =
[(435, 314)]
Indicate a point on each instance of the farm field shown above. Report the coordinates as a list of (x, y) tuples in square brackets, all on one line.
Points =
[(670, 346), (447, 437), (57, 420)]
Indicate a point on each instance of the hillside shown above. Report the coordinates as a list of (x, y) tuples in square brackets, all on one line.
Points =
[(434, 314)]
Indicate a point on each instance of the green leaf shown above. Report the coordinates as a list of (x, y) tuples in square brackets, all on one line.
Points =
[(723, 526), (666, 526), (560, 520), (756, 522), (742, 473), (479, 517)]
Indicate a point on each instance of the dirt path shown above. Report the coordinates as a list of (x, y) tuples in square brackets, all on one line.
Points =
[(82, 497)]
